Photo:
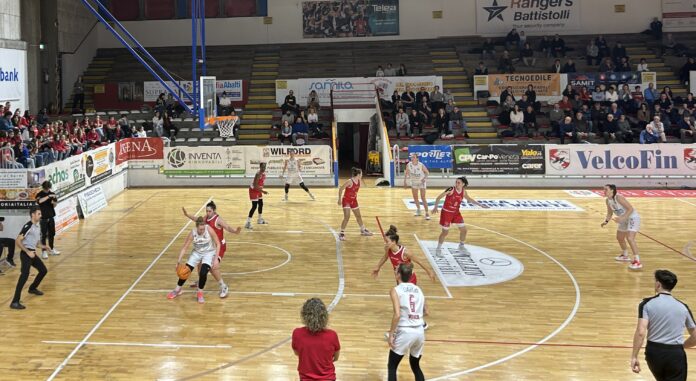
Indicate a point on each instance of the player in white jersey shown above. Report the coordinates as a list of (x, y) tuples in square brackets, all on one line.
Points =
[(293, 167), (206, 247), (406, 334), (415, 176), (629, 225)]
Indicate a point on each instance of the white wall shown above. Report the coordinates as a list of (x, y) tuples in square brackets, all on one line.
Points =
[(9, 20), (75, 64), (416, 22)]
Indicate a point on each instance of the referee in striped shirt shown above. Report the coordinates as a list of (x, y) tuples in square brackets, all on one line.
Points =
[(662, 318)]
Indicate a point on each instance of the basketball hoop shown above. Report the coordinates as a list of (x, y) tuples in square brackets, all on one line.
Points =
[(225, 125)]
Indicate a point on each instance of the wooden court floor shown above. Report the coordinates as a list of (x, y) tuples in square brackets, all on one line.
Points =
[(105, 315)]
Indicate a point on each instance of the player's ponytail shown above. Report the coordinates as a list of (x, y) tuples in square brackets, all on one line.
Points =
[(211, 205), (392, 230), (355, 171), (613, 190), (463, 180)]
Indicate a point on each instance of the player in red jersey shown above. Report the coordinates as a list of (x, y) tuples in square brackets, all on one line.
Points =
[(218, 225), (349, 201), (397, 254), (450, 212), (256, 193)]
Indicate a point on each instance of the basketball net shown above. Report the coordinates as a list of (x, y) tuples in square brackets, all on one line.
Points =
[(225, 125)]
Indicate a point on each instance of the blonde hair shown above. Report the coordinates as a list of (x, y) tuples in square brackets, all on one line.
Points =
[(314, 315)]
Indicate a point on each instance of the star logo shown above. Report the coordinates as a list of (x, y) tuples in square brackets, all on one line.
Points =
[(495, 11)]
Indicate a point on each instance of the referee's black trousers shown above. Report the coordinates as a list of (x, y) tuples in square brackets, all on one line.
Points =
[(27, 263), (666, 362)]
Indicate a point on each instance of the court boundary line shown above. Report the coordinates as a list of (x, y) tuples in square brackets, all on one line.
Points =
[(548, 337), (287, 259), (133, 344), (337, 298), (440, 277), (684, 201), (288, 294), (513, 343), (94, 329), (667, 246)]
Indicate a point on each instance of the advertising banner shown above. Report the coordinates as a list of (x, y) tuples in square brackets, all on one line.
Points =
[(92, 200), (498, 17), (66, 176), (365, 18), (508, 205), (204, 160), (233, 87), (140, 151), (678, 15), (323, 86), (13, 77), (433, 157), (13, 178), (100, 163), (621, 159), (548, 86), (66, 214), (632, 78), (315, 160), (499, 159), (19, 198)]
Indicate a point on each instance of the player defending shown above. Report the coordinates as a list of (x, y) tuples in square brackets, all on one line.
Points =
[(450, 212), (416, 175), (398, 254), (294, 170), (349, 201), (628, 220), (256, 193)]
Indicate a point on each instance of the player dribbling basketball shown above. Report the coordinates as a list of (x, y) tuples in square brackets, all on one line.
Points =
[(450, 212)]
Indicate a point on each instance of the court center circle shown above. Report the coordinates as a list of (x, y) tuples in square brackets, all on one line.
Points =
[(287, 258)]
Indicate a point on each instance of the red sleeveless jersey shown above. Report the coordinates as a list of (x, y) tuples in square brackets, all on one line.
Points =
[(262, 180), (453, 201), (219, 231), (397, 258), (351, 193)]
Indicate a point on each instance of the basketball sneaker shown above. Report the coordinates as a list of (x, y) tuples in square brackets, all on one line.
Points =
[(342, 236), (312, 196), (427, 217), (55, 252), (463, 248), (417, 214), (623, 258), (438, 252), (10, 263), (248, 226), (199, 296), (425, 326), (285, 198), (224, 290), (635, 265), (261, 221), (175, 292), (366, 233), (44, 254)]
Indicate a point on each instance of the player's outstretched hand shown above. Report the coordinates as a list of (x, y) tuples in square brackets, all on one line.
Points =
[(184, 210), (431, 276), (264, 192), (338, 203), (238, 230), (604, 224), (434, 210)]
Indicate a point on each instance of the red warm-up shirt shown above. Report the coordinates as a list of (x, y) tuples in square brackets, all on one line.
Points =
[(316, 353)]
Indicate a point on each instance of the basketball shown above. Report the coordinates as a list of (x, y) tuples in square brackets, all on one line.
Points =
[(183, 271)]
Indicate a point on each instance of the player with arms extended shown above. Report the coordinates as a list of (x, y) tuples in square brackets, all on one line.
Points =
[(451, 214)]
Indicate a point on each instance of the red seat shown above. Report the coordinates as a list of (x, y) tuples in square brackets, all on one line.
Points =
[(159, 9), (125, 10), (240, 8)]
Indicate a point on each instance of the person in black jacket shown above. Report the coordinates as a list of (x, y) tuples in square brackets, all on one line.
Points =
[(609, 128), (567, 130), (507, 92), (442, 124), (415, 119), (47, 201), (569, 66)]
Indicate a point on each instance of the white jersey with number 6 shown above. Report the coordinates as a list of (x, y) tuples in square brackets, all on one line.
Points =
[(411, 301)]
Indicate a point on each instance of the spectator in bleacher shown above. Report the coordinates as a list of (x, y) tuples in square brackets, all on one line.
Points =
[(687, 130), (290, 104), (437, 99), (618, 52), (23, 156), (615, 110), (663, 115), (402, 70), (556, 67), (603, 46), (690, 102), (523, 102), (653, 133), (623, 65), (532, 97), (512, 40), (569, 66), (637, 96), (565, 105), (530, 121), (508, 105), (585, 95), (606, 65), (313, 121), (558, 46), (111, 126), (656, 28), (170, 128), (389, 71), (569, 91), (402, 122), (157, 125), (224, 104), (170, 103), (522, 41), (668, 91), (141, 132), (567, 130), (517, 122), (527, 55), (285, 133), (409, 98), (99, 126), (395, 98), (651, 94), (300, 132), (609, 127), (415, 120), (442, 124), (124, 127), (79, 94), (160, 103), (313, 100), (665, 103), (425, 109), (449, 96), (587, 116), (626, 99), (423, 93), (287, 117), (643, 65), (582, 127), (685, 70), (643, 115), (505, 94), (611, 95), (556, 116), (6, 122), (624, 131), (42, 118), (379, 72), (545, 46), (669, 44), (592, 53), (456, 118), (449, 107), (577, 103), (481, 69), (505, 64), (488, 50)]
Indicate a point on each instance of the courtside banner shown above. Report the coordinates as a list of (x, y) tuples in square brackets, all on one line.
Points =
[(204, 161), (314, 160), (92, 200), (100, 163), (66, 176), (359, 85), (365, 18), (433, 157), (66, 214), (498, 17), (509, 205), (621, 159), (140, 151), (499, 159)]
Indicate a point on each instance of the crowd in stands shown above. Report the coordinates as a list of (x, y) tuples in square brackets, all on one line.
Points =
[(391, 71), (298, 124), (623, 116)]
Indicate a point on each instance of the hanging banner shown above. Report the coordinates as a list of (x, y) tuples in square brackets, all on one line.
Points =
[(548, 86), (66, 214), (621, 159), (678, 15), (66, 176), (234, 89), (13, 78), (323, 86), (140, 151), (432, 156), (337, 19), (204, 160), (13, 178), (314, 160), (498, 17), (499, 159), (631, 78)]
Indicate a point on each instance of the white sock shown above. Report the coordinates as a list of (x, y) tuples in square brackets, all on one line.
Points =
[(637, 258), (248, 220), (260, 217), (177, 287), (439, 246), (625, 253)]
